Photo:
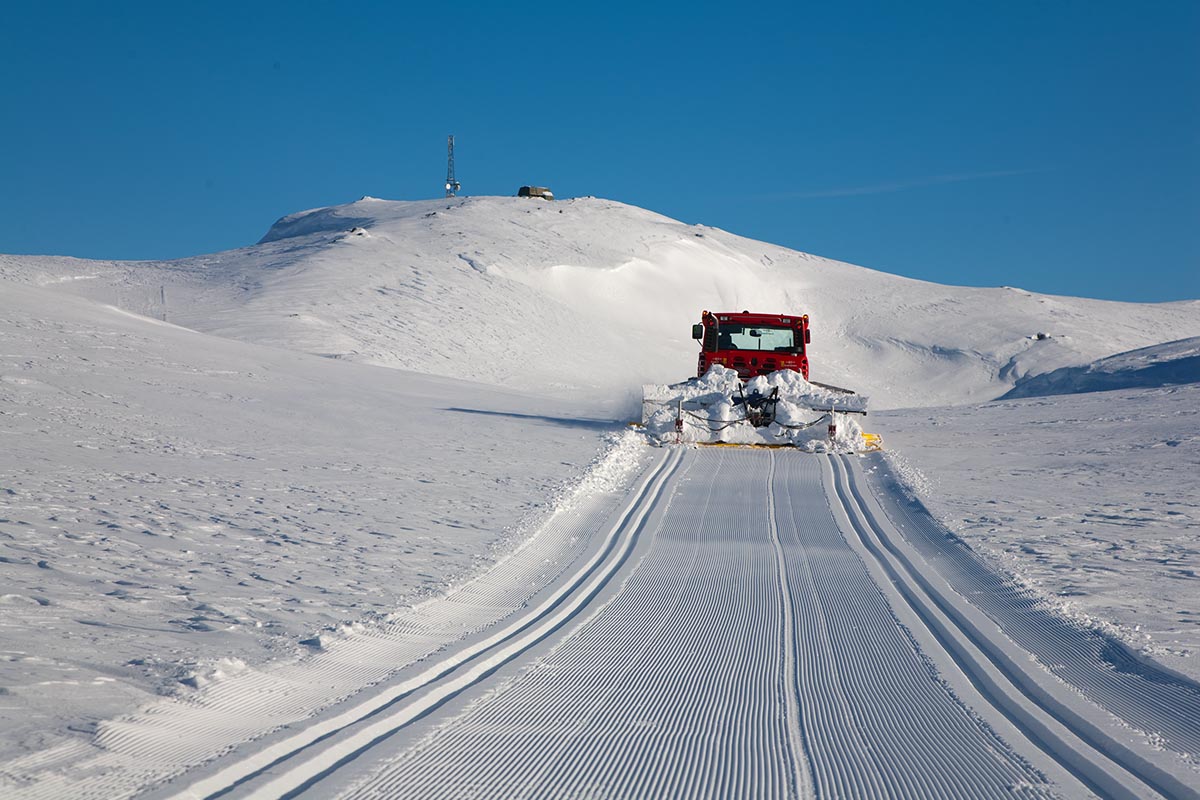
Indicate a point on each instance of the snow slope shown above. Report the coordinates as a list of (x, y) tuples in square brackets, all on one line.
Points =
[(175, 505), (747, 623), (595, 295)]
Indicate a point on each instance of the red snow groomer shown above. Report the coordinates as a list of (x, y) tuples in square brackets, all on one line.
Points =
[(772, 348), (752, 344)]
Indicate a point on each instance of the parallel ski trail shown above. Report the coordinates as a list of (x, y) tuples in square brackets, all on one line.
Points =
[(1149, 698), (880, 723), (681, 685), (673, 689), (1080, 737)]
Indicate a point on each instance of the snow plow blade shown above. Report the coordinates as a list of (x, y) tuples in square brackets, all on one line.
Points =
[(777, 409)]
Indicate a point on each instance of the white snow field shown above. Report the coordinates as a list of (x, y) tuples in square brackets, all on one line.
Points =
[(178, 507), (362, 519), (1091, 501)]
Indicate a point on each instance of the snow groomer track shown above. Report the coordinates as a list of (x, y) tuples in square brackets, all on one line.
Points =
[(778, 637), (758, 623)]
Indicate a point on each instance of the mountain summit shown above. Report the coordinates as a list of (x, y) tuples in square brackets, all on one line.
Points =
[(596, 295)]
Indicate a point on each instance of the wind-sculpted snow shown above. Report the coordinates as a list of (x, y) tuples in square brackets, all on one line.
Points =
[(1091, 502), (178, 509), (1168, 364), (332, 220)]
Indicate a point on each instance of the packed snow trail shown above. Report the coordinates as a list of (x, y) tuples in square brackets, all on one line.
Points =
[(768, 639), (752, 624)]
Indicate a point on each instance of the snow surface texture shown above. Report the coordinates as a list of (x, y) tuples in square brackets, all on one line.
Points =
[(706, 731), (402, 653), (709, 412), (1090, 500), (593, 294), (174, 506)]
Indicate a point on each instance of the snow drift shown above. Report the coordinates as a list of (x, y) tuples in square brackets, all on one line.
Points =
[(1169, 364)]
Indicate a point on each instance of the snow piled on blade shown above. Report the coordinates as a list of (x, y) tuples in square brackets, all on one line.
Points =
[(712, 409)]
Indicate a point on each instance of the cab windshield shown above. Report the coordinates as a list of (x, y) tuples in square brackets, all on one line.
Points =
[(757, 337)]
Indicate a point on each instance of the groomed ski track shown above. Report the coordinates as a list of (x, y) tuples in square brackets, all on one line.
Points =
[(758, 629), (749, 654), (753, 623)]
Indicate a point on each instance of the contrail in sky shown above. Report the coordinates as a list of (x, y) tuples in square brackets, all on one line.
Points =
[(899, 186)]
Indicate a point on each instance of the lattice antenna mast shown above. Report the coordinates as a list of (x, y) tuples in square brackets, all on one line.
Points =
[(452, 185)]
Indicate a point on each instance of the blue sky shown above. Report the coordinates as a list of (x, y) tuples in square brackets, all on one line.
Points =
[(1049, 145)]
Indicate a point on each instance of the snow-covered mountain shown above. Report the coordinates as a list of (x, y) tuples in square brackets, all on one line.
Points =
[(179, 504), (595, 295)]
